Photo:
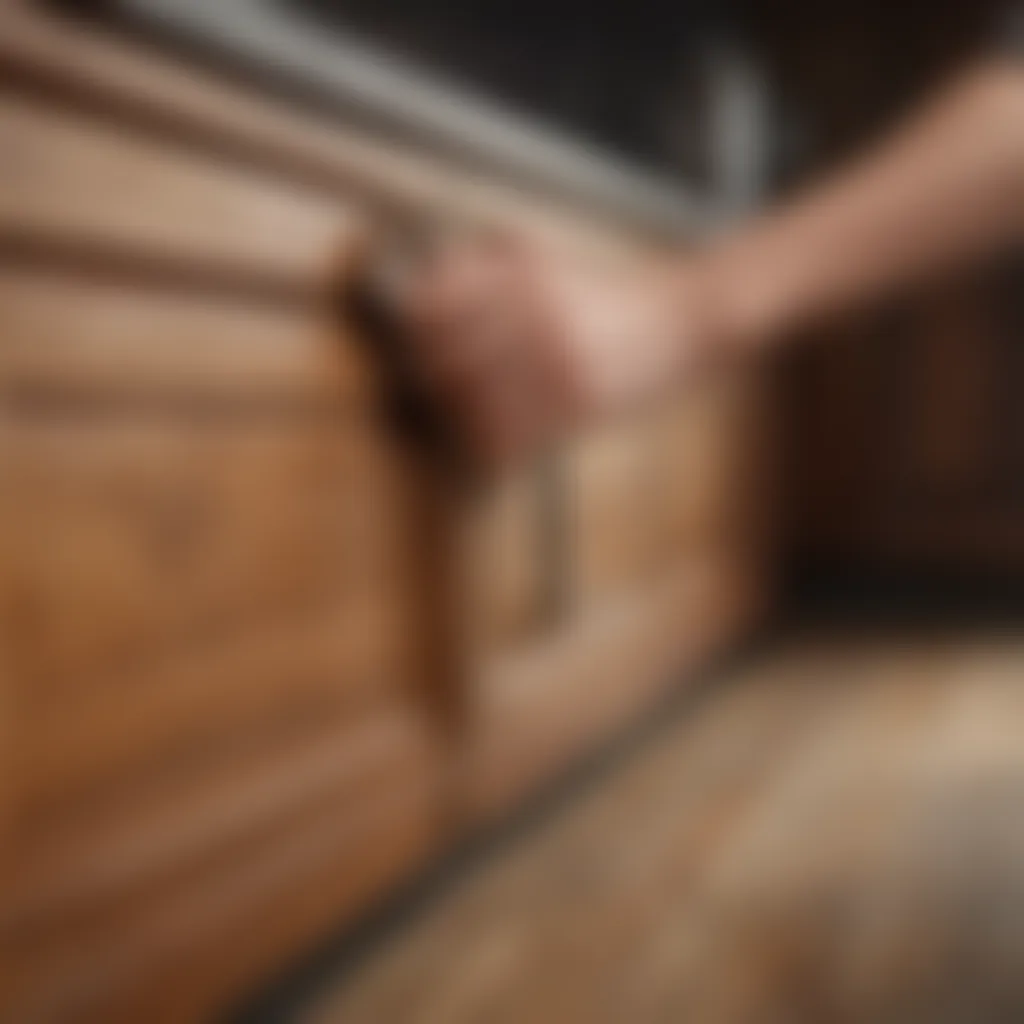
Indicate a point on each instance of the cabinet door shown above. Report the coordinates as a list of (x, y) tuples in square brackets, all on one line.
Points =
[(685, 478), (658, 569), (219, 731), (222, 730)]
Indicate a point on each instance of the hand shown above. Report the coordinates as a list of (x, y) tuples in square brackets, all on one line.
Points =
[(526, 343)]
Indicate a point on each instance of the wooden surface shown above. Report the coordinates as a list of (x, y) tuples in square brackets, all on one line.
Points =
[(92, 180), (218, 708), (832, 834), (905, 434), (542, 707), (111, 339), (256, 665), (131, 82)]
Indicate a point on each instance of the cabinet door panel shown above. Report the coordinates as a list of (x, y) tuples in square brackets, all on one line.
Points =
[(130, 538), (109, 340)]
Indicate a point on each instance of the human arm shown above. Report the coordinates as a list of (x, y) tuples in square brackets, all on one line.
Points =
[(526, 343)]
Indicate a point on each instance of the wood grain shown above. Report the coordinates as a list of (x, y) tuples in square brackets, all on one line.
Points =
[(315, 664), (124, 78), (682, 479), (834, 835), (541, 708), (155, 822), (115, 341), (304, 871), (86, 181), (509, 574), (132, 536), (258, 661)]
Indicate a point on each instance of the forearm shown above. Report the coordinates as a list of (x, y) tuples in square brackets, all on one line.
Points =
[(945, 189), (523, 342)]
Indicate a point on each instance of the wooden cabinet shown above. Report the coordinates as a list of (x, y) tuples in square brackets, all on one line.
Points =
[(905, 430), (231, 712)]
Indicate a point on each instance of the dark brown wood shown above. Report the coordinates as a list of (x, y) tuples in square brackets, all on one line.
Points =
[(899, 439)]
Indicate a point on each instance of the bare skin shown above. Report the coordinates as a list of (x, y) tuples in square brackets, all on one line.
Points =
[(526, 344)]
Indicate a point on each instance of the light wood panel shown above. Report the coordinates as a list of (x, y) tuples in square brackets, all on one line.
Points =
[(832, 835), (680, 480), (129, 80), (614, 502), (712, 454), (109, 339), (509, 574), (71, 178), (538, 710)]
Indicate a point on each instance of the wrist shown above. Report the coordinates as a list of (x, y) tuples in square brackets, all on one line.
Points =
[(749, 293), (735, 305)]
